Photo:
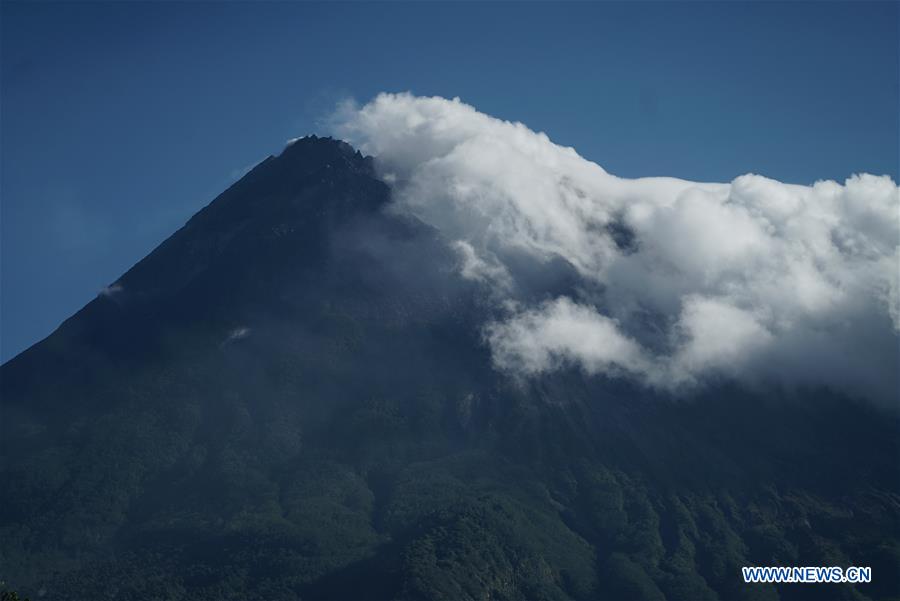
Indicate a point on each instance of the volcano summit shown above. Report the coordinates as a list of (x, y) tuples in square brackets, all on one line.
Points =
[(475, 366)]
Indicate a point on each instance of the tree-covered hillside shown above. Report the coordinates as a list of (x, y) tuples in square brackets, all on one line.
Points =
[(291, 399)]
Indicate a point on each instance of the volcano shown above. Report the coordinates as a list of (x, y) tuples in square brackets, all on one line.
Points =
[(292, 398)]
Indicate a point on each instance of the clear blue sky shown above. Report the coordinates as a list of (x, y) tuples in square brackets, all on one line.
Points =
[(119, 121)]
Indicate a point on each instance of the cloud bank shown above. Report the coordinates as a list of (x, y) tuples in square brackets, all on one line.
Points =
[(676, 283)]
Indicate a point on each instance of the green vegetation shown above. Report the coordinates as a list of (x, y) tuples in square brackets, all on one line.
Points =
[(196, 487), (356, 444), (6, 595)]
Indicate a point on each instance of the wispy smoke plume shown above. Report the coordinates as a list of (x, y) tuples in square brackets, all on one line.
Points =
[(677, 281)]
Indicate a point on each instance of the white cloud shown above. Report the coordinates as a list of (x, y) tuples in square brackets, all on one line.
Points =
[(717, 337), (236, 334), (754, 279), (488, 270), (561, 332), (111, 290)]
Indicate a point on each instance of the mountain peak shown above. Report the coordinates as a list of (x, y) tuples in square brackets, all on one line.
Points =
[(314, 151), (311, 171), (279, 218), (292, 397)]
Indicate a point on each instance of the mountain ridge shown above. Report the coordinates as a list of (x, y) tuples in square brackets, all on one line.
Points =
[(291, 398)]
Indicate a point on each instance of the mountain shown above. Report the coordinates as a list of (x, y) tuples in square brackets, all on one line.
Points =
[(291, 398)]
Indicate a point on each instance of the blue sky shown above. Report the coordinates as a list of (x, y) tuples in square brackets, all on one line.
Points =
[(119, 121)]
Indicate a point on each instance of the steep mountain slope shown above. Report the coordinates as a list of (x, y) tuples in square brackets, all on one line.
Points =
[(291, 398)]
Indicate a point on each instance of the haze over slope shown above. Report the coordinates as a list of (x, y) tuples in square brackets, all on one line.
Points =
[(680, 281)]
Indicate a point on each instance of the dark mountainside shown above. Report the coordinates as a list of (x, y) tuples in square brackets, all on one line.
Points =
[(290, 399)]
